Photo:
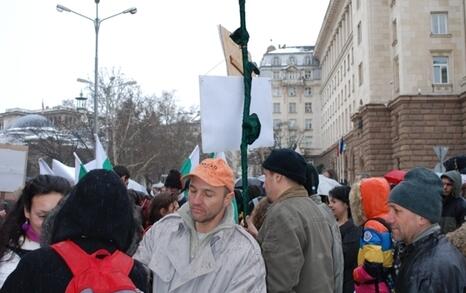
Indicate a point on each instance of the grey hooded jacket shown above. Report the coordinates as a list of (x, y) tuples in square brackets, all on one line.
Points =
[(454, 206), (228, 259)]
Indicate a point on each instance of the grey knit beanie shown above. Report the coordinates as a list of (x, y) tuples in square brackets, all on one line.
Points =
[(421, 193)]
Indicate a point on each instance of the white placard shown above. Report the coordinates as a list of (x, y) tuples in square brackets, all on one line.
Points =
[(222, 100), (13, 160)]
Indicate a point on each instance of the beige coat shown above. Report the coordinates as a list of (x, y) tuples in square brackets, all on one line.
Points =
[(301, 245)]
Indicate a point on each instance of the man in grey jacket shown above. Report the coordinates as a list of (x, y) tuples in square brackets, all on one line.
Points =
[(200, 248), (301, 247), (454, 205)]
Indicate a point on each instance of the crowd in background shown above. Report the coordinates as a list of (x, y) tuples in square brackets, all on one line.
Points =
[(376, 235)]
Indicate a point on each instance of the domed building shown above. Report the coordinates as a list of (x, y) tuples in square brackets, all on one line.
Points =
[(31, 121)]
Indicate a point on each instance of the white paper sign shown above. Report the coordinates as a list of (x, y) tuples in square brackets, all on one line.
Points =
[(13, 159), (222, 101)]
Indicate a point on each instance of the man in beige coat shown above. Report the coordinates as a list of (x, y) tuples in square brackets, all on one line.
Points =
[(301, 249), (200, 248)]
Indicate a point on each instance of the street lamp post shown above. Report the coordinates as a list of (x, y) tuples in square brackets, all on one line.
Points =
[(97, 22)]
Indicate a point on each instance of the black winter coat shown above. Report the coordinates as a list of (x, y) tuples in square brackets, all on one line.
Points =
[(350, 235), (430, 265), (44, 271)]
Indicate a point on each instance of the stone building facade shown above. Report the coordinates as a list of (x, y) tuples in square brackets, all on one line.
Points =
[(409, 84), (295, 78)]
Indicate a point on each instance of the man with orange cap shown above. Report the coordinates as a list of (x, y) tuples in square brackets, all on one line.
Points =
[(200, 248)]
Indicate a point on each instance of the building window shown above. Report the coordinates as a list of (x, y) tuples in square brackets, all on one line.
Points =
[(292, 60), (291, 91), (276, 91), (394, 33), (396, 75), (307, 60), (292, 107), (276, 107), (307, 74), (308, 107), (292, 123), (439, 23), (352, 79), (358, 4), (360, 74), (276, 123), (276, 61), (348, 63), (440, 67), (276, 75), (307, 92), (359, 33), (307, 141), (307, 124)]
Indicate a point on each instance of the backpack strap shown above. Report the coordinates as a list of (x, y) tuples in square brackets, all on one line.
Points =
[(381, 221), (76, 258), (122, 261)]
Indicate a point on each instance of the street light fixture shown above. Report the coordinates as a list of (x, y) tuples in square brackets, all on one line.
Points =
[(97, 22)]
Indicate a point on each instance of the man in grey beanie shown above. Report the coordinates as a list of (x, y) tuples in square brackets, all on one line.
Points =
[(429, 263)]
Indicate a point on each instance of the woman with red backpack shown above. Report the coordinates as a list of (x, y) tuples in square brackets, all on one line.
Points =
[(89, 236)]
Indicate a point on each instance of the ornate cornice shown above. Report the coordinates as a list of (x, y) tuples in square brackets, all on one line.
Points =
[(326, 32)]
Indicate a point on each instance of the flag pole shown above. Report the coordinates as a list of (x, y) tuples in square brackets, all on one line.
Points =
[(250, 125)]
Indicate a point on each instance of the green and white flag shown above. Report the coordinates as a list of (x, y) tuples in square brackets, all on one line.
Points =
[(101, 158), (79, 169), (218, 155), (191, 162)]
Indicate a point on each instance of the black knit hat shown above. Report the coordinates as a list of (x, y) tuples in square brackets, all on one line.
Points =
[(287, 163), (98, 208), (341, 193), (421, 193), (173, 179)]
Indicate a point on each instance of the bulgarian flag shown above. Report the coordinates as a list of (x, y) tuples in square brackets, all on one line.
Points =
[(188, 165), (79, 169), (101, 158), (191, 162), (219, 155)]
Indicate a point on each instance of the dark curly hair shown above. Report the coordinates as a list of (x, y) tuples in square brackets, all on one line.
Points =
[(10, 231), (161, 201)]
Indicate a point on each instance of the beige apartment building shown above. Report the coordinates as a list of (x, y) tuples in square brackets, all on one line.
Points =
[(393, 83), (295, 78)]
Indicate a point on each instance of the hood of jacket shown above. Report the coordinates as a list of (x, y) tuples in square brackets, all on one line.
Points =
[(454, 176), (98, 208), (369, 199)]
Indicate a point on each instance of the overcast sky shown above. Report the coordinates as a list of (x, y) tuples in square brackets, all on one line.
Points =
[(166, 45)]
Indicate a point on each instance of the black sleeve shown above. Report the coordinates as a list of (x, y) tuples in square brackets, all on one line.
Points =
[(40, 271), (140, 276), (21, 279)]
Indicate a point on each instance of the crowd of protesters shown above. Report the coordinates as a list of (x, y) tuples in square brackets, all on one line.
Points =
[(372, 236)]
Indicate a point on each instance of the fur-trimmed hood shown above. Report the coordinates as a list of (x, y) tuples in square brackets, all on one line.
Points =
[(368, 199)]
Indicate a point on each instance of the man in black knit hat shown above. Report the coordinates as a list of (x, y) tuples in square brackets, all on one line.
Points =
[(296, 237)]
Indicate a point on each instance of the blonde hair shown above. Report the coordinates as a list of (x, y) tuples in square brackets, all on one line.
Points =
[(356, 204)]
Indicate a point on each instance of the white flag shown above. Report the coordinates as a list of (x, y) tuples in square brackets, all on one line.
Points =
[(44, 168)]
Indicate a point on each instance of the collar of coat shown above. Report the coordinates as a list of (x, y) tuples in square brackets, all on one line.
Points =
[(295, 191)]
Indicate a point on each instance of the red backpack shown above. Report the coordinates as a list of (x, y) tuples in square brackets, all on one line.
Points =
[(100, 272)]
